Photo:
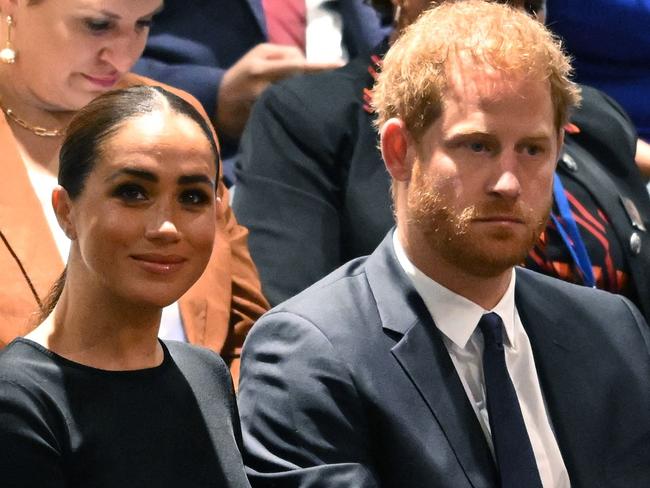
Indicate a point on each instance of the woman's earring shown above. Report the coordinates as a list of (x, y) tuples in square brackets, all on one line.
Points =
[(8, 54)]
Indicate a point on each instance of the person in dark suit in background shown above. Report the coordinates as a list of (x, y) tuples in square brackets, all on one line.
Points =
[(217, 50), (314, 193), (435, 362)]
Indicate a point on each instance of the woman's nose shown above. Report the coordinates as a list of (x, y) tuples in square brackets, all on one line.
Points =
[(163, 230), (122, 51)]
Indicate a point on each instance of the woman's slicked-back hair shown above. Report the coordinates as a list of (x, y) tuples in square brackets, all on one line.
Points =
[(100, 119)]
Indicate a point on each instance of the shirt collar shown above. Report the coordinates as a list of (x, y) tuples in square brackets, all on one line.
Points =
[(455, 315)]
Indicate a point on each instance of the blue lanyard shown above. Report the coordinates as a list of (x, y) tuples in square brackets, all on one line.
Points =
[(570, 234)]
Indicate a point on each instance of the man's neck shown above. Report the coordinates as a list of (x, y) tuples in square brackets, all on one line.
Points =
[(485, 291)]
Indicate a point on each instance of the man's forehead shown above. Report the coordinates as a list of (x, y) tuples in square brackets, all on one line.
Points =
[(481, 92), (466, 78)]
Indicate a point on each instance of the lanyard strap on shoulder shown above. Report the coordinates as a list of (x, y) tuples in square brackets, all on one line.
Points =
[(570, 234)]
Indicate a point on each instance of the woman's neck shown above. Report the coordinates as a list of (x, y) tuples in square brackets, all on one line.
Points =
[(38, 154), (102, 332), (27, 110), (28, 106)]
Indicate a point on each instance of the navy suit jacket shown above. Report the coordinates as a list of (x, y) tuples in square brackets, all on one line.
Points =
[(193, 42), (350, 384)]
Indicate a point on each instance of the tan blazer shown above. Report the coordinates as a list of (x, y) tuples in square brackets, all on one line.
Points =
[(217, 311)]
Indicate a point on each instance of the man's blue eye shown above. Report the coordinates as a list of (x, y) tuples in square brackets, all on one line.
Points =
[(477, 146)]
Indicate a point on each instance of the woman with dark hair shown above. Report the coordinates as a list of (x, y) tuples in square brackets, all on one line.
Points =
[(59, 55), (92, 397)]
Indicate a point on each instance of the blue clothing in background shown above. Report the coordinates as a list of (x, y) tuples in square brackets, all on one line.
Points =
[(610, 40)]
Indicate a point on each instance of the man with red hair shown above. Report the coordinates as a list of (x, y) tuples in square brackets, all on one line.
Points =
[(435, 361)]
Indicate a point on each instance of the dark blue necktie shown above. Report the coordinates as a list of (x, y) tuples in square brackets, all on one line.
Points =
[(514, 454)]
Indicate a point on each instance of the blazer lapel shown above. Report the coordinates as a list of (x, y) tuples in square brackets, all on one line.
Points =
[(424, 359), (203, 307), (559, 344), (258, 12), (27, 236)]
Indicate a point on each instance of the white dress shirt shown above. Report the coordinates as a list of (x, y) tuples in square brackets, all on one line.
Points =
[(457, 318), (324, 34)]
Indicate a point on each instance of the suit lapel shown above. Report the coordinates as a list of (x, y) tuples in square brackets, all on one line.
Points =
[(560, 347), (28, 254), (258, 12), (424, 359), (203, 307)]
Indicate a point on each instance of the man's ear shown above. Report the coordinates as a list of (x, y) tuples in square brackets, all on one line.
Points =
[(62, 205), (394, 143)]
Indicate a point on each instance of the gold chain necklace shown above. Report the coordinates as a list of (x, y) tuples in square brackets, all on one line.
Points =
[(39, 131)]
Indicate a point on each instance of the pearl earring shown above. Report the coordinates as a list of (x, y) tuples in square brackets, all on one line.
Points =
[(8, 54)]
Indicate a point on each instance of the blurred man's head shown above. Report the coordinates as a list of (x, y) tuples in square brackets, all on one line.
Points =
[(470, 103)]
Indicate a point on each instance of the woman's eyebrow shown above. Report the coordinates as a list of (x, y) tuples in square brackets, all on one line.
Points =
[(138, 173), (149, 176), (195, 178)]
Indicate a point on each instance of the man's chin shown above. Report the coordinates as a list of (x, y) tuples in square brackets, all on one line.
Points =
[(491, 258), (489, 267)]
